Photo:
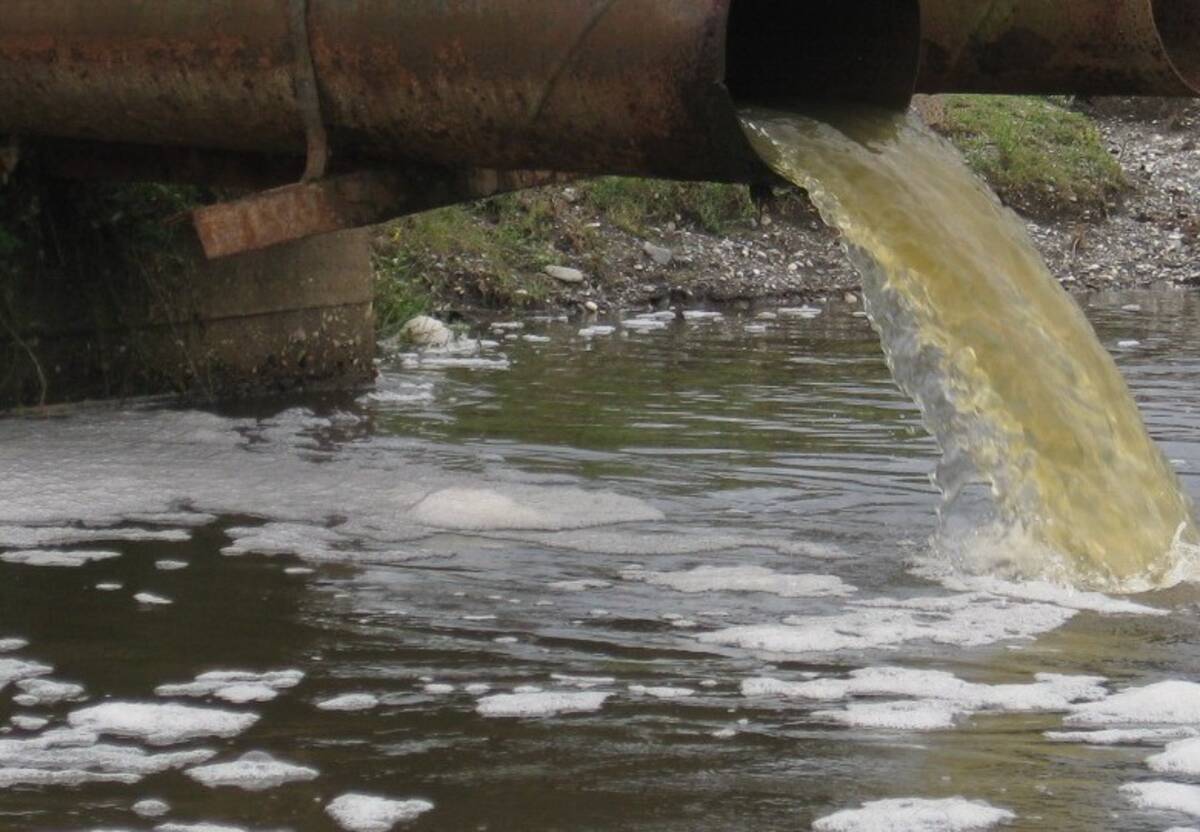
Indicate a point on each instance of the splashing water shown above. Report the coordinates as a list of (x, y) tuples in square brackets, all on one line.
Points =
[(1008, 373)]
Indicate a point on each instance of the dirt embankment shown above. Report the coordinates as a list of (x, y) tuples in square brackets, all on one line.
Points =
[(1135, 223)]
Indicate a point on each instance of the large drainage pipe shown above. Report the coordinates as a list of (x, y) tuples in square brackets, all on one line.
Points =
[(588, 86), (1084, 47)]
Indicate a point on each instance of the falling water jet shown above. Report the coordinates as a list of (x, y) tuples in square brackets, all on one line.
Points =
[(1008, 373)]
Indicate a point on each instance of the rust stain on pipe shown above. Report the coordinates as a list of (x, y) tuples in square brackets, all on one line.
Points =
[(1084, 47), (591, 86)]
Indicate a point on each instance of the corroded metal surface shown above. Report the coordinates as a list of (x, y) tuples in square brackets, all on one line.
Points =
[(591, 86), (1084, 47), (305, 210)]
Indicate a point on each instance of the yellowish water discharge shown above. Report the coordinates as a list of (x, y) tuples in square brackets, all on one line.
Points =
[(1007, 371)]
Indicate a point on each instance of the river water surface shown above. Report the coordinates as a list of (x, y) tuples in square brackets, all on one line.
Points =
[(673, 577)]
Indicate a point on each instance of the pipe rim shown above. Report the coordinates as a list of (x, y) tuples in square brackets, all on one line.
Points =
[(1177, 23)]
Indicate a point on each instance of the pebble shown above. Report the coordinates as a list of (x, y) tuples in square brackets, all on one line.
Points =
[(563, 274), (661, 256)]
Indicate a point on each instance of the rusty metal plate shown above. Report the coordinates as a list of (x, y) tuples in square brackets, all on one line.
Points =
[(296, 212)]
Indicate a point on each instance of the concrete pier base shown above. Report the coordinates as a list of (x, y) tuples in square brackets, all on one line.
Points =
[(255, 323)]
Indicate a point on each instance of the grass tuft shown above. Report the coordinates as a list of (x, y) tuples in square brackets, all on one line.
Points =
[(1041, 157)]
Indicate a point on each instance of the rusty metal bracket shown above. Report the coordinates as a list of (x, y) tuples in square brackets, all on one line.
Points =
[(336, 203), (308, 92)]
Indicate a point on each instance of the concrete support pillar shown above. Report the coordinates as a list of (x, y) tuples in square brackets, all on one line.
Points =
[(294, 315)]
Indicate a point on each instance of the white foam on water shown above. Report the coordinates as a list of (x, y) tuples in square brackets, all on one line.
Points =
[(42, 692), (109, 586), (540, 704), (581, 585), (171, 565), (350, 702), (583, 682), (390, 390), (596, 331), (435, 361), (236, 686), (198, 827), (802, 312), (477, 688), (1043, 592), (108, 465), (29, 723), (882, 624), (702, 315), (38, 537), (645, 324), (254, 771), (935, 699), (955, 814), (1164, 703), (151, 808), (1050, 692), (11, 645), (438, 689), (56, 558), (150, 599), (1164, 797), (1182, 757), (312, 543), (906, 715), (369, 813), (474, 509), (160, 724), (75, 757), (1123, 736), (16, 670), (661, 692), (745, 579)]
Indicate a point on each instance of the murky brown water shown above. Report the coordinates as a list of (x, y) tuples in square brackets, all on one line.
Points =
[(540, 516)]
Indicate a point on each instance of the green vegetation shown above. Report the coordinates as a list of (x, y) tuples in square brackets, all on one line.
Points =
[(634, 204), (1041, 157), (68, 252), (491, 253)]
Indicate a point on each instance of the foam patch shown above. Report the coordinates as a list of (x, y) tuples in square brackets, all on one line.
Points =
[(236, 686), (953, 814), (961, 621), (350, 702), (160, 724), (745, 579), (76, 757), (254, 771), (1164, 797), (56, 558), (368, 813), (1164, 703), (540, 704), (1181, 757)]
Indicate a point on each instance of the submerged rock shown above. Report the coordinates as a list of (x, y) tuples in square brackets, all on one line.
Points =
[(424, 331)]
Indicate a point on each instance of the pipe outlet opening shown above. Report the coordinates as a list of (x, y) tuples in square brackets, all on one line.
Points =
[(1178, 23), (820, 51)]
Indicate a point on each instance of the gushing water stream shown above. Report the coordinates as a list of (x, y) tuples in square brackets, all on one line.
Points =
[(1008, 373)]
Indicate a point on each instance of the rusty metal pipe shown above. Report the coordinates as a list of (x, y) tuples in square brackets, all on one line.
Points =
[(1083, 47), (591, 86)]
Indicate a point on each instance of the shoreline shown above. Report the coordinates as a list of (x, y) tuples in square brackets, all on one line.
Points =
[(786, 255)]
